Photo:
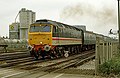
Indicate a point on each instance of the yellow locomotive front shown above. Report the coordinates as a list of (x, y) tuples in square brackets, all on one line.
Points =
[(40, 38)]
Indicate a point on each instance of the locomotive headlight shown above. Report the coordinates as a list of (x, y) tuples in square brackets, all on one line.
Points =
[(41, 42)]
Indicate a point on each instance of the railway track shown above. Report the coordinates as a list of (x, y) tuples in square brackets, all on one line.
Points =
[(44, 63), (33, 68), (15, 55), (66, 64), (51, 66), (11, 63), (8, 59)]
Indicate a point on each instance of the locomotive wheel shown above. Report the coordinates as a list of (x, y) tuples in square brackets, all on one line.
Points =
[(60, 54), (54, 54), (36, 55)]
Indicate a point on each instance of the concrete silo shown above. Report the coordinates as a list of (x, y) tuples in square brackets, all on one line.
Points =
[(26, 17)]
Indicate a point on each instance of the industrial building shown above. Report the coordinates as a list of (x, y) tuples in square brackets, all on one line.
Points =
[(14, 31), (20, 30)]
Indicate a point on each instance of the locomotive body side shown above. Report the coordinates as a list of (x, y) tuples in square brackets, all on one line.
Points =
[(66, 35)]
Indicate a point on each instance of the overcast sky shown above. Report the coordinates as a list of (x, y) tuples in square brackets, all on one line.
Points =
[(98, 15)]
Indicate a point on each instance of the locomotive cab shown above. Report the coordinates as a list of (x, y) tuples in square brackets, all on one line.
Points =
[(40, 38)]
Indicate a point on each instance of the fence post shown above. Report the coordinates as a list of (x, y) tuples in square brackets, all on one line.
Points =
[(97, 57), (101, 52)]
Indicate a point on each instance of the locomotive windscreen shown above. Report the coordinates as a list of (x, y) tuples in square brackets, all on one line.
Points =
[(45, 28)]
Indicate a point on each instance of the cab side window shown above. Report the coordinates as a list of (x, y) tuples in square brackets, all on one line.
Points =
[(54, 31)]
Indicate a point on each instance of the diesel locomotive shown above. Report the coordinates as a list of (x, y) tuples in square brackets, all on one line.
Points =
[(54, 39)]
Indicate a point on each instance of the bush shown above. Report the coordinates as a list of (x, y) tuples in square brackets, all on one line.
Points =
[(111, 66)]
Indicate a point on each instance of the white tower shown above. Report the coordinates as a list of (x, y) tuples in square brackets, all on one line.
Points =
[(26, 18)]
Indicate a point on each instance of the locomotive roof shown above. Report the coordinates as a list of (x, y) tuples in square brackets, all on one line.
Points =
[(55, 23)]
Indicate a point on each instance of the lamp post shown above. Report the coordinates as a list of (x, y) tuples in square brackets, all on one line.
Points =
[(119, 24)]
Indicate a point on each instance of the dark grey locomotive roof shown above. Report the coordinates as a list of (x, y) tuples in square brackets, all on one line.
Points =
[(55, 23)]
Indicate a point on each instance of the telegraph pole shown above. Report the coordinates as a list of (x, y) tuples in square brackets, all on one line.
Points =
[(119, 23)]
